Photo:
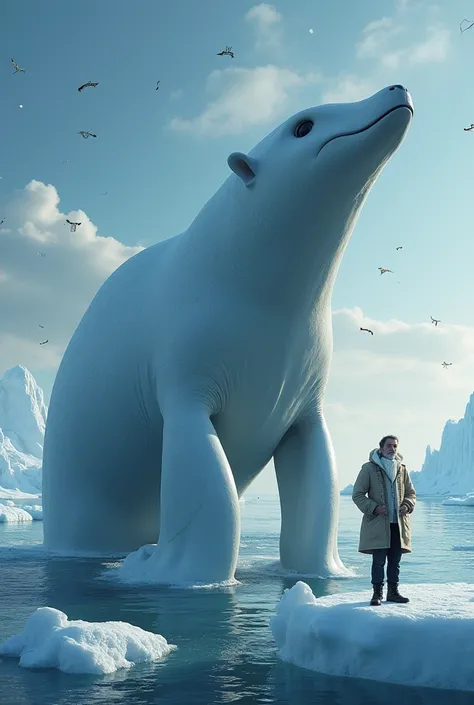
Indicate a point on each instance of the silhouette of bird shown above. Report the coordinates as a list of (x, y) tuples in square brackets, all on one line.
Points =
[(465, 28), (446, 365), (44, 342), (157, 85), (435, 320), (17, 68), (400, 247), (227, 52), (104, 194), (89, 84), (367, 330), (470, 128), (1, 222), (40, 325), (73, 225), (382, 270), (85, 134)]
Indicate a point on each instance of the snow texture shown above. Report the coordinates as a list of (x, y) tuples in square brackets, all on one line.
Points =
[(450, 470), (22, 424), (347, 490), (427, 642), (465, 501), (12, 514), (50, 640)]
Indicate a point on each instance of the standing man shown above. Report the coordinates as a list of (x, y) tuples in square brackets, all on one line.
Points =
[(385, 495)]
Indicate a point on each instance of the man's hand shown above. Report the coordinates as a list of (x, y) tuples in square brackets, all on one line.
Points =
[(381, 509), (403, 510)]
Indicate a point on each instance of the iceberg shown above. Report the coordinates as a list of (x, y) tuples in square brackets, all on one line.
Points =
[(11, 514), (50, 640), (427, 642), (466, 501), (347, 490), (450, 470), (22, 424)]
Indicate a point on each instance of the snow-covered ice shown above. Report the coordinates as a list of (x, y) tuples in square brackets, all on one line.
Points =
[(50, 640), (10, 513), (450, 470), (22, 423), (16, 494), (428, 642), (141, 567), (347, 490), (466, 501)]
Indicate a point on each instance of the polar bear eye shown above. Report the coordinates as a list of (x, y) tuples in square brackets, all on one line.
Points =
[(304, 128)]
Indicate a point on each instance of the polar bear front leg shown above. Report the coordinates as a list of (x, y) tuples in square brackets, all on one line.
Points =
[(309, 498), (199, 509)]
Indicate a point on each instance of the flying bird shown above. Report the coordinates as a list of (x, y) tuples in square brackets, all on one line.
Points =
[(227, 52), (446, 365), (435, 320), (468, 129), (41, 254), (73, 225), (40, 325), (157, 85), (367, 330), (382, 270), (86, 134), (17, 68), (104, 194), (465, 28), (89, 84), (1, 222), (44, 342), (400, 247)]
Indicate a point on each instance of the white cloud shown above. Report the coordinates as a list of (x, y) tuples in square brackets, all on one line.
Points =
[(393, 382), (54, 290), (347, 88), (244, 98), (381, 42), (389, 45), (267, 21)]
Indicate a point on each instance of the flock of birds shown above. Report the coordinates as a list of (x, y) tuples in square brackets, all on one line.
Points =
[(434, 321), (85, 134), (227, 51)]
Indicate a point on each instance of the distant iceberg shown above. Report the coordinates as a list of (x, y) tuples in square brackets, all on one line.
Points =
[(341, 635), (22, 424), (50, 640), (347, 490), (466, 501), (450, 470)]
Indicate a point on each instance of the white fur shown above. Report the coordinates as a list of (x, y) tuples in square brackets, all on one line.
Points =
[(205, 355)]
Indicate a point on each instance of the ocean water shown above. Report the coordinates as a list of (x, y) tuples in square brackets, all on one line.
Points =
[(225, 649)]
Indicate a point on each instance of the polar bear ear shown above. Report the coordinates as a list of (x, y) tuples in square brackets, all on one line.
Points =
[(245, 167)]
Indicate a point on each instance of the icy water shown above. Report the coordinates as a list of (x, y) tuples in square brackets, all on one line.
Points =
[(225, 649)]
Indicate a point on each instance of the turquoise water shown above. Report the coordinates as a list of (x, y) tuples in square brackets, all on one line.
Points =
[(226, 653)]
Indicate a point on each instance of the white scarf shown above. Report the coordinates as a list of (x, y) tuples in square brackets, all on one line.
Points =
[(390, 465)]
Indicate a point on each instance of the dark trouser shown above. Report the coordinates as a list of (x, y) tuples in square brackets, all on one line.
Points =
[(394, 556)]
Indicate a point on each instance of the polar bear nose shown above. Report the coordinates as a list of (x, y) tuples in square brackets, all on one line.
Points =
[(397, 85)]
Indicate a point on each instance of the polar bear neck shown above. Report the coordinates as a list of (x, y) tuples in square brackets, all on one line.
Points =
[(280, 255)]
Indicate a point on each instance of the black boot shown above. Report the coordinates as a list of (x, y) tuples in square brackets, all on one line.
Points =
[(377, 597), (394, 596)]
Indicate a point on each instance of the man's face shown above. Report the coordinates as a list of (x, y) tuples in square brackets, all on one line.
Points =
[(389, 448)]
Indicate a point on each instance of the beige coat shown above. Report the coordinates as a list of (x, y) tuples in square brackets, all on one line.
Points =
[(369, 492)]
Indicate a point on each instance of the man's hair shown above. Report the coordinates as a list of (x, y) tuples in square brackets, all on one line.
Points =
[(385, 439)]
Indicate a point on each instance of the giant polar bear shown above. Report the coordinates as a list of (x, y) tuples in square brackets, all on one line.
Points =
[(207, 354)]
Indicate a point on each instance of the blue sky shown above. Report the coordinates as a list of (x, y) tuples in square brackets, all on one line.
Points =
[(161, 154)]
